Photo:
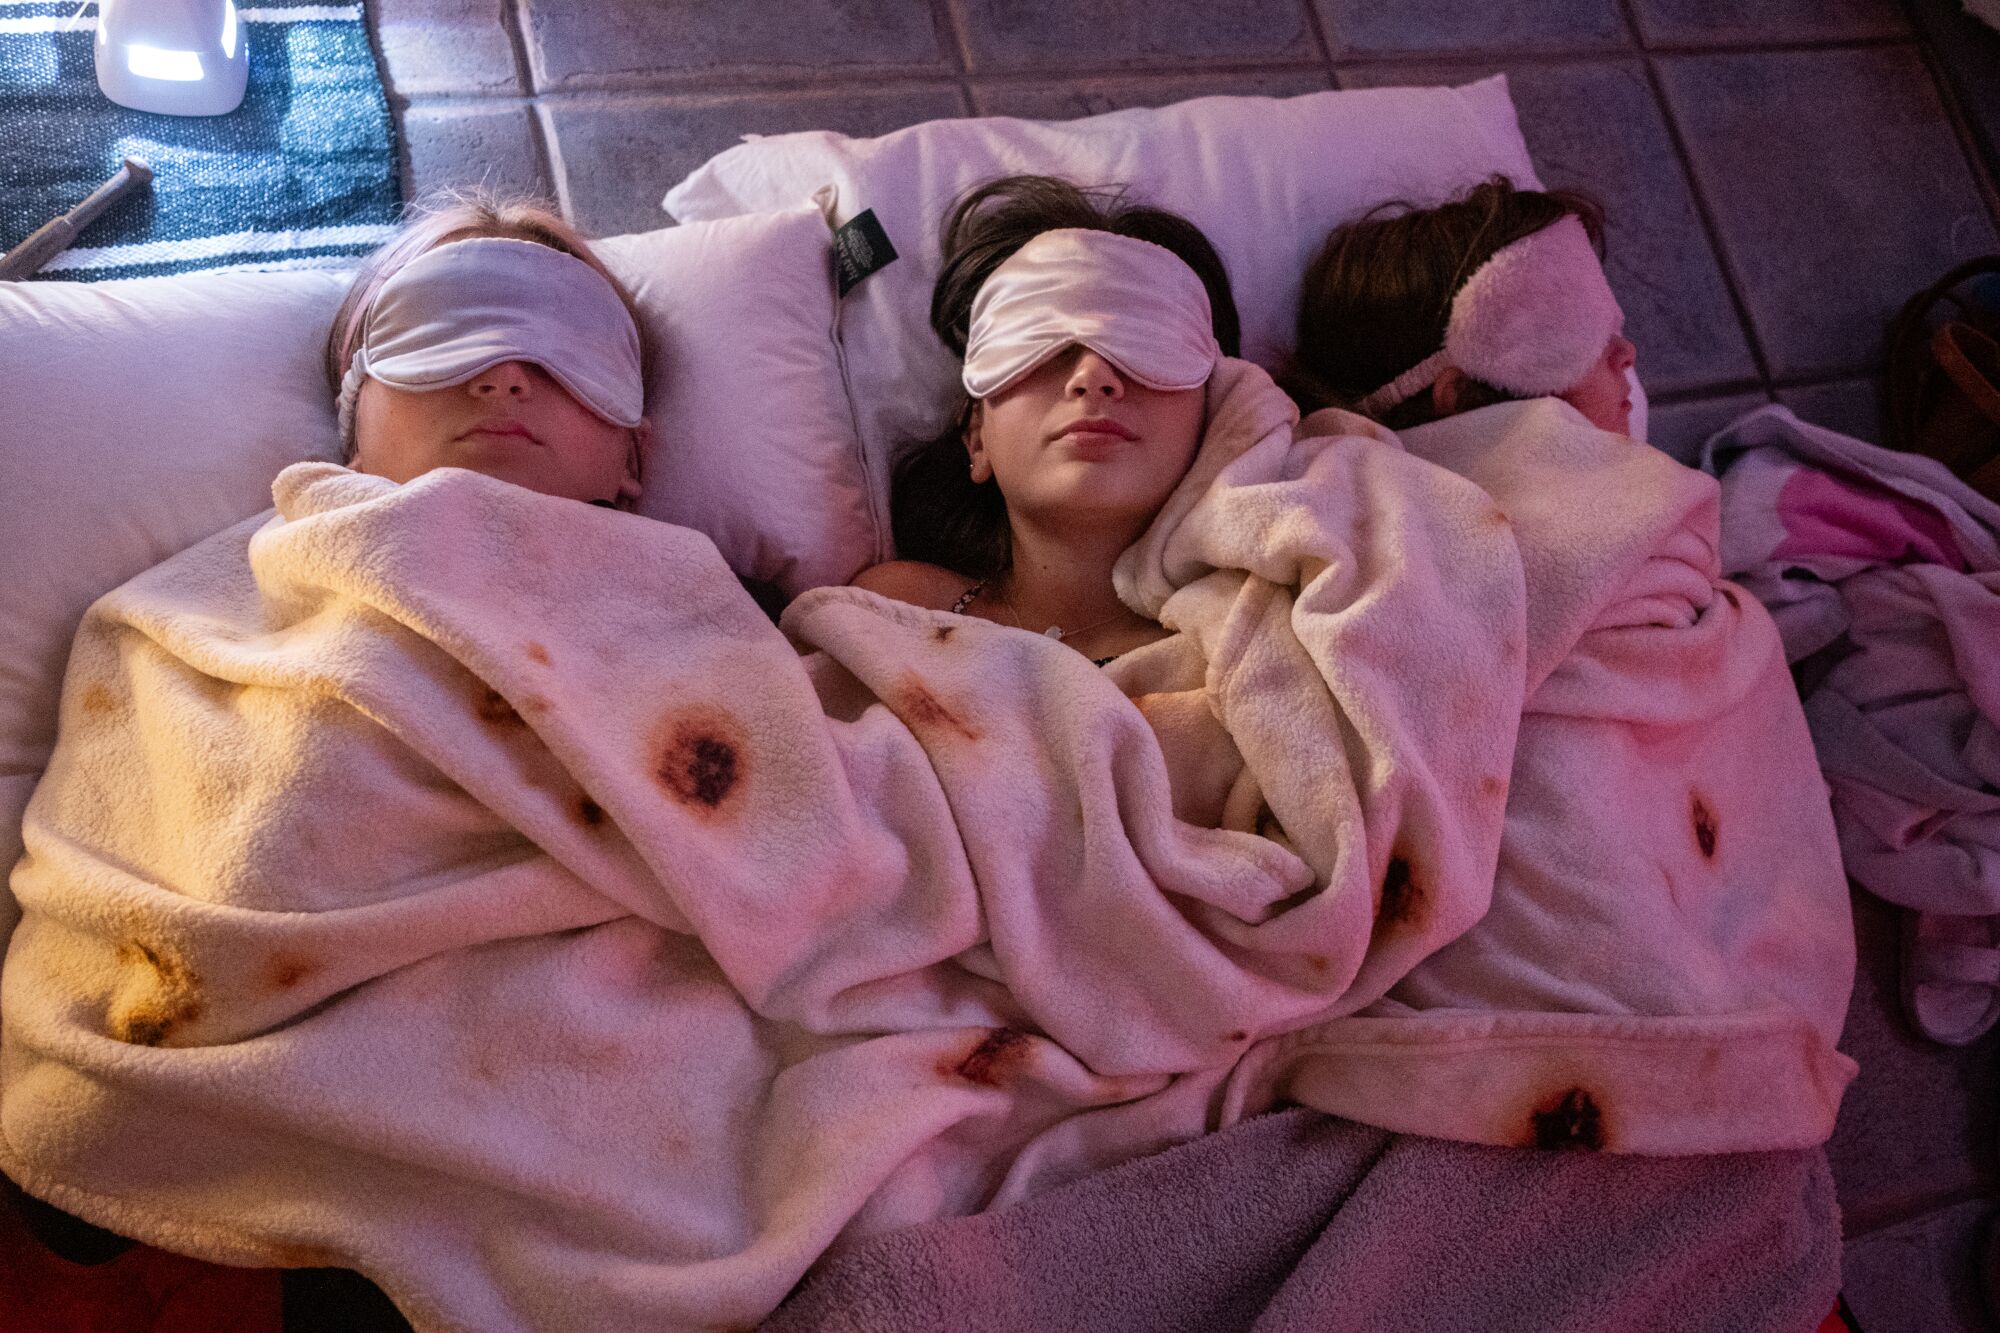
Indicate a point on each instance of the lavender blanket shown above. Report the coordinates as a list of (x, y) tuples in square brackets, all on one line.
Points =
[(1297, 1221)]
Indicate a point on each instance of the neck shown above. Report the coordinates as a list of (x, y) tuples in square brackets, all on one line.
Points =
[(1061, 575)]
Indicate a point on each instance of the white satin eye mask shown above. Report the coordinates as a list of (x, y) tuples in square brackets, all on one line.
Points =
[(467, 306), (1136, 304), (1532, 320)]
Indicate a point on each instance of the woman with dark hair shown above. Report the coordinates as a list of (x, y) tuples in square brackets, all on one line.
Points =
[(1409, 315), (1088, 326)]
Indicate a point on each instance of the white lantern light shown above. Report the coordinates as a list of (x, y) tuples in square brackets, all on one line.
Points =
[(177, 57)]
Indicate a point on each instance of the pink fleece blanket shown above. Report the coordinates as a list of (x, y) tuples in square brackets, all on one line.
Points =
[(472, 888)]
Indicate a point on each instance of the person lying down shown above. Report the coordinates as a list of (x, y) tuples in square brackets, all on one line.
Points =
[(450, 880), (489, 336)]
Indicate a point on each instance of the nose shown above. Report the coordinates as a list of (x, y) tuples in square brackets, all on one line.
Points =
[(1092, 377), (1624, 355), (509, 379)]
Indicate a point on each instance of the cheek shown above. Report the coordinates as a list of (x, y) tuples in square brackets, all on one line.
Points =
[(395, 431), (1601, 397), (1008, 420), (1179, 421)]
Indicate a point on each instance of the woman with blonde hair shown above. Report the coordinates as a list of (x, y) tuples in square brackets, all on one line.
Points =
[(489, 336)]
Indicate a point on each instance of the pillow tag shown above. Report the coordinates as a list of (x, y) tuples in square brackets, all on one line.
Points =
[(860, 248)]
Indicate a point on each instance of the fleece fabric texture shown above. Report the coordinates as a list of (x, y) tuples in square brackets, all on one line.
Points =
[(1668, 954), (1883, 573), (1301, 1223), (473, 888)]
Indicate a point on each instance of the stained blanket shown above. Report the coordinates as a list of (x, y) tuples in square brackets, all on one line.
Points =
[(473, 888), (1667, 960), (1883, 572)]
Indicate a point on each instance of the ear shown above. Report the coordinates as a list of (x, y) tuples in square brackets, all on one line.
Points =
[(1448, 391), (639, 443), (975, 443)]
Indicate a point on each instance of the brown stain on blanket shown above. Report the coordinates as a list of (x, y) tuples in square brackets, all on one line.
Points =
[(1705, 825), (494, 710), (926, 714), (168, 997), (537, 653), (97, 699), (701, 759), (1405, 900), (997, 1056), (1570, 1119)]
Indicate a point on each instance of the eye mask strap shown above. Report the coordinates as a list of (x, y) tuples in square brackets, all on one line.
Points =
[(1532, 320)]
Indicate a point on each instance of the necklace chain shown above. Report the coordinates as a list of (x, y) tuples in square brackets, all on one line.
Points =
[(1056, 632)]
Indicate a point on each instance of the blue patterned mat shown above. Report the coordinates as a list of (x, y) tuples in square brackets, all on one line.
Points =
[(303, 174)]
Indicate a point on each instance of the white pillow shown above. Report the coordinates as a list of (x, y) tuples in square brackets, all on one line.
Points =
[(1265, 178), (753, 442), (138, 417)]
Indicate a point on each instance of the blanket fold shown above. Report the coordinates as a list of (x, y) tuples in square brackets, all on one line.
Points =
[(473, 888), (1666, 962)]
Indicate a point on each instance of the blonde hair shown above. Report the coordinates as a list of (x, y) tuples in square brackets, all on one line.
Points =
[(457, 215)]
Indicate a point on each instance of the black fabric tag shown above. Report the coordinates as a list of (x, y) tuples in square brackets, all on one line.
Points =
[(860, 248)]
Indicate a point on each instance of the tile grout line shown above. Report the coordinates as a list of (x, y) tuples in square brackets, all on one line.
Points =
[(626, 94), (1961, 126), (961, 50), (539, 128), (747, 80), (1725, 262), (1611, 51), (399, 137), (1316, 25)]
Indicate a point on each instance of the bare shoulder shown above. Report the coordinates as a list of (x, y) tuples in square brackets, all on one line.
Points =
[(913, 581)]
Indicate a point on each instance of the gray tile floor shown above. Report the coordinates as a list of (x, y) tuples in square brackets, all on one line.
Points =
[(1779, 175)]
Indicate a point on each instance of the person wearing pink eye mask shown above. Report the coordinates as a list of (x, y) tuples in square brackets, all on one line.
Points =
[(488, 336), (1087, 326), (1409, 315)]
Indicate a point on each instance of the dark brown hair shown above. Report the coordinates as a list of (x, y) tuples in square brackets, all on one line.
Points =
[(937, 512), (1378, 294)]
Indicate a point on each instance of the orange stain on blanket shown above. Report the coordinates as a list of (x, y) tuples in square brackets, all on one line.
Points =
[(300, 1254), (1570, 1119), (926, 713), (537, 653), (97, 699), (171, 998), (701, 758), (999, 1054), (286, 970)]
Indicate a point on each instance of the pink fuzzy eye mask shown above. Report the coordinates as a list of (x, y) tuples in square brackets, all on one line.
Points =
[(1136, 304), (1532, 320)]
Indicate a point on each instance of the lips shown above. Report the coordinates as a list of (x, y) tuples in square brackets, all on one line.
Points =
[(502, 426), (1100, 426)]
